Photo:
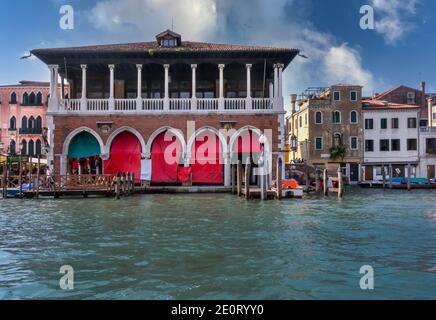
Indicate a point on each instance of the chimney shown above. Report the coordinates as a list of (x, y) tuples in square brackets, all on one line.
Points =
[(293, 103), (430, 112), (423, 87)]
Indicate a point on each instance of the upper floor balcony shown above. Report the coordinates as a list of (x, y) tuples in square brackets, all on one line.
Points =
[(172, 89)]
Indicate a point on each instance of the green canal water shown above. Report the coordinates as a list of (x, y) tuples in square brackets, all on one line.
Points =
[(220, 247)]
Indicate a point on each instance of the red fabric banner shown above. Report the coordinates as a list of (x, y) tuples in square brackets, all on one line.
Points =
[(165, 154), (125, 156), (207, 165), (248, 142), (184, 174)]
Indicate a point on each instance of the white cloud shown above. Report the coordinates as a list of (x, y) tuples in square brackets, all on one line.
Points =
[(195, 19), (275, 22), (392, 18)]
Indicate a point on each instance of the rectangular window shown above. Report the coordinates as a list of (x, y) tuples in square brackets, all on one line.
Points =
[(336, 96), (411, 123), (383, 123), (318, 144), (430, 146), (412, 144), (369, 145), (353, 95), (369, 124), (396, 145), (434, 116), (395, 123), (353, 143), (384, 145)]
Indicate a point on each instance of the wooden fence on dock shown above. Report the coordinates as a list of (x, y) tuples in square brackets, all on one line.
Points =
[(68, 185)]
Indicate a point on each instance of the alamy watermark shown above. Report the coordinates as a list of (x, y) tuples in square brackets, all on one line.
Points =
[(66, 21), (67, 280), (367, 280), (367, 21)]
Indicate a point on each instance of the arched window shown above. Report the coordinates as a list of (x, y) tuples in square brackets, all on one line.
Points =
[(32, 123), (13, 124), (318, 117), (39, 123), (336, 117), (24, 148), (32, 98), (338, 140), (38, 150), (354, 118), (25, 99), (31, 148), (13, 98), (12, 147), (39, 99), (24, 123)]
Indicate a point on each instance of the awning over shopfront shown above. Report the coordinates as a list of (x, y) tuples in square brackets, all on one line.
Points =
[(83, 145)]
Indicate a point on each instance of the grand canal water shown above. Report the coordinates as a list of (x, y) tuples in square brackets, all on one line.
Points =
[(220, 247)]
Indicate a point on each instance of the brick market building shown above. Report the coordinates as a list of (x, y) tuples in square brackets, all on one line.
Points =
[(131, 103)]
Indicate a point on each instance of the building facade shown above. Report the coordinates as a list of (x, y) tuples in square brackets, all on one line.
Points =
[(327, 129), (23, 117), (391, 139), (134, 106)]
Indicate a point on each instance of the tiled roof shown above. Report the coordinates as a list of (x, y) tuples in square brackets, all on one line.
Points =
[(385, 105), (380, 96), (186, 46), (26, 83)]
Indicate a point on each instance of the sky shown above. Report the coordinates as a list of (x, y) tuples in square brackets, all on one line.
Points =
[(400, 50)]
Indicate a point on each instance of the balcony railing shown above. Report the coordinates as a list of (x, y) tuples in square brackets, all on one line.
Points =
[(165, 105), (31, 131)]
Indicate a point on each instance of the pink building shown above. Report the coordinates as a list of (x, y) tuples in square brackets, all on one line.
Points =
[(23, 110)]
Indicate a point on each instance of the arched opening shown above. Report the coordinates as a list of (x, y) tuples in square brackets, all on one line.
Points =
[(13, 99), (38, 150), (247, 146), (39, 123), (31, 148), (13, 123), (125, 155), (84, 154), (24, 123), (166, 154), (32, 99), (12, 147), (25, 99), (39, 99), (32, 123), (24, 148), (207, 159)]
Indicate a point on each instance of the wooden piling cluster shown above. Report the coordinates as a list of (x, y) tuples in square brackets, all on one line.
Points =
[(339, 179)]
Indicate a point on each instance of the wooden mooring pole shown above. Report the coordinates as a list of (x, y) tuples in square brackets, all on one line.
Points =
[(239, 178), (384, 176), (5, 180), (38, 176), (317, 182), (391, 174), (118, 187), (279, 179), (409, 185), (326, 183), (247, 178), (340, 183)]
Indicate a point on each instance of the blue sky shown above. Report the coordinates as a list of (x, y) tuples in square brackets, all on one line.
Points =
[(400, 50)]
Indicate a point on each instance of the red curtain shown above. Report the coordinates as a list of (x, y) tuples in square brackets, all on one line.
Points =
[(248, 142), (165, 154), (207, 166), (125, 156)]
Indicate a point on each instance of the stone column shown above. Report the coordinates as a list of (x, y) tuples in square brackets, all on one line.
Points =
[(139, 95), (194, 87), (249, 102), (83, 98), (276, 81), (53, 103), (167, 89), (221, 91), (280, 101), (112, 87), (227, 169)]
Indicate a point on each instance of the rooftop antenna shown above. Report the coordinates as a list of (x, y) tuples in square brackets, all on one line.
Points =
[(172, 24)]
